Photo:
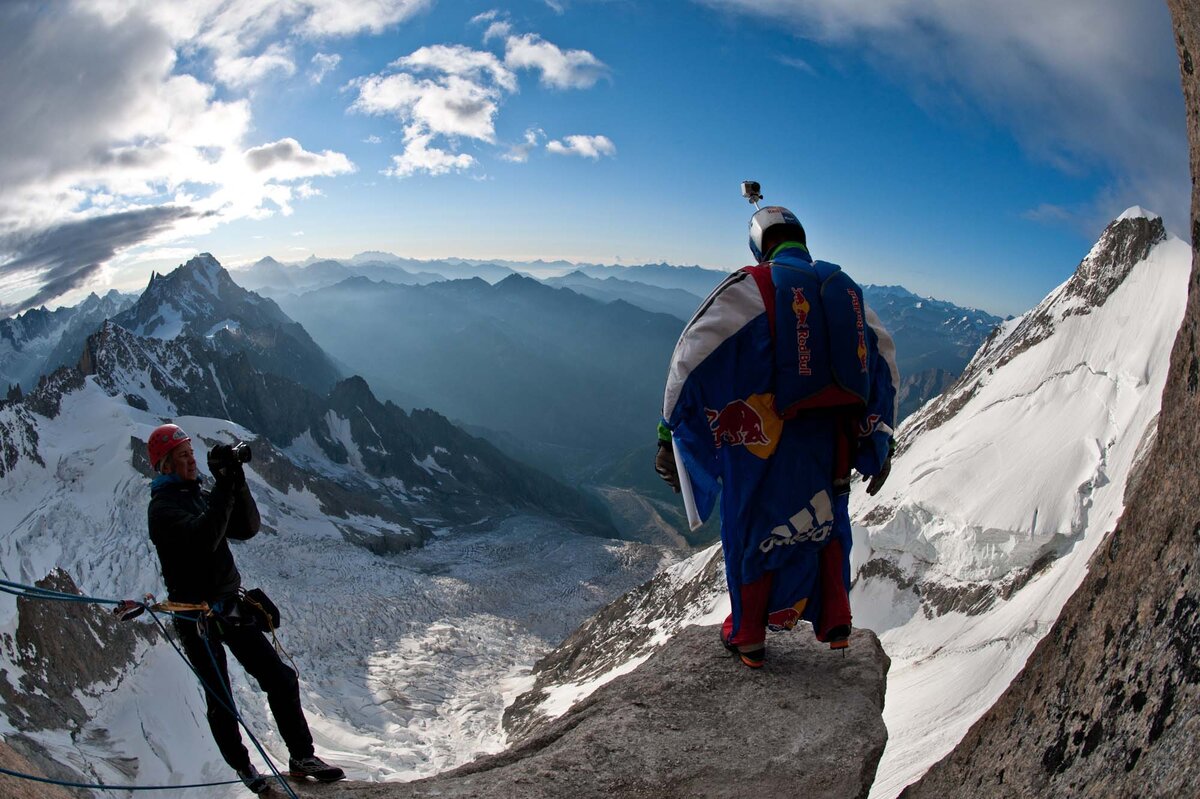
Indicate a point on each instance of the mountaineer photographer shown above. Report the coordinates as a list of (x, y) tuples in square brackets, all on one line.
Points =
[(191, 528)]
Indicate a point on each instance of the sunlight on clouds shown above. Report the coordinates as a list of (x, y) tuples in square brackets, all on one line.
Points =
[(585, 146)]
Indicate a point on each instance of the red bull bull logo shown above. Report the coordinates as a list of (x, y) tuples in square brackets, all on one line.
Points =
[(801, 308), (736, 424)]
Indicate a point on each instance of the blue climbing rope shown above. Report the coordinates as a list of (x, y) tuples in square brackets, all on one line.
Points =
[(101, 787), (49, 594), (233, 709)]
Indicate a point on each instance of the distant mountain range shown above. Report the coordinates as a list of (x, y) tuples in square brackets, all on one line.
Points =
[(573, 379)]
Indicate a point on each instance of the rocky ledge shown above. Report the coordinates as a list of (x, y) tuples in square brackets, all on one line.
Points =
[(694, 722)]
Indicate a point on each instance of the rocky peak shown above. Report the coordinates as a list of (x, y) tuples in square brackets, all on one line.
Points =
[(1124, 243), (200, 300), (691, 721)]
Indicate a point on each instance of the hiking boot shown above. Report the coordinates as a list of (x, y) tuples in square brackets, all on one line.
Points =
[(254, 781), (838, 637), (316, 768), (751, 657)]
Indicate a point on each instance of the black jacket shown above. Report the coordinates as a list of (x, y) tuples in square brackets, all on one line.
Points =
[(190, 528)]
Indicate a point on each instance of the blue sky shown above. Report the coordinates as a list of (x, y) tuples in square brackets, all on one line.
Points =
[(967, 150)]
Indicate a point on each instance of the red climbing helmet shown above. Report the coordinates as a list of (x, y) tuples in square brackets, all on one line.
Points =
[(165, 438)]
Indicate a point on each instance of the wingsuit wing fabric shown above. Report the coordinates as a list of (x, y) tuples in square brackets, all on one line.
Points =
[(774, 477)]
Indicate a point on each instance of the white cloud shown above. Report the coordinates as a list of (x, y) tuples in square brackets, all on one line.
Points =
[(461, 61), (348, 17), (585, 146), (1083, 84), (573, 69), (323, 64), (449, 105), (372, 139), (497, 30), (519, 153), (796, 63), (419, 156), (243, 71), (486, 16)]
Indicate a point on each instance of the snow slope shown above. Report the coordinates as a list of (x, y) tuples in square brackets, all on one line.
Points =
[(1005, 486)]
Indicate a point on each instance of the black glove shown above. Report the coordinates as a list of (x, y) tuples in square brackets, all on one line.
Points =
[(877, 481), (664, 464), (223, 466)]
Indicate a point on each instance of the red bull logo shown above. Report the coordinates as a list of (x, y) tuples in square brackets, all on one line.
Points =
[(737, 424), (800, 306)]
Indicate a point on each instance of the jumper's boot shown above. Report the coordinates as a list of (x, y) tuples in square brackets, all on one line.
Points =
[(838, 637), (751, 655), (254, 781), (314, 767)]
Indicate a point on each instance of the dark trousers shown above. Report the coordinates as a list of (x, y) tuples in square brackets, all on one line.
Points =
[(259, 659)]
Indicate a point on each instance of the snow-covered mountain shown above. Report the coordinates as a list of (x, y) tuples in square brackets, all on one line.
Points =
[(1001, 491), (406, 655), (1005, 485), (199, 299), (39, 341)]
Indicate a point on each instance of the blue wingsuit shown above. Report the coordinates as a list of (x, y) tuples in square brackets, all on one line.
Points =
[(781, 383)]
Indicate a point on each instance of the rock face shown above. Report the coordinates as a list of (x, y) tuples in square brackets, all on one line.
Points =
[(1107, 704), (694, 722), (13, 788)]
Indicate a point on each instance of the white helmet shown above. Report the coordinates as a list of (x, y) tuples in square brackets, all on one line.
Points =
[(767, 218)]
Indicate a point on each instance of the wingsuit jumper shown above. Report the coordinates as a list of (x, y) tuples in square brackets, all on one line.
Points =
[(191, 528), (781, 384)]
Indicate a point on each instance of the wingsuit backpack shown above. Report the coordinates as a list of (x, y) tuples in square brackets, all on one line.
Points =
[(819, 331)]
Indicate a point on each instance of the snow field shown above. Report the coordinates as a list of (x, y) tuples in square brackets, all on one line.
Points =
[(1037, 460)]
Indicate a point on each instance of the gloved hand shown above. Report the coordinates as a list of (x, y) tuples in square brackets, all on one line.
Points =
[(222, 465), (879, 478), (664, 464), (877, 481)]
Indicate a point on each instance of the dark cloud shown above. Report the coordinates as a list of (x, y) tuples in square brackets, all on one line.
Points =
[(282, 151), (70, 84), (64, 257)]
